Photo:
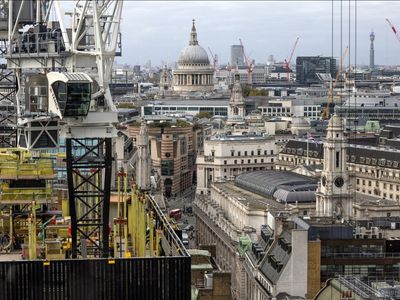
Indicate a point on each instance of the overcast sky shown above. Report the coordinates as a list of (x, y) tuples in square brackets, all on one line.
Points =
[(158, 30)]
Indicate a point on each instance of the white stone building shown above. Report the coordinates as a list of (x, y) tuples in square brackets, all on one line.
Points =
[(225, 157)]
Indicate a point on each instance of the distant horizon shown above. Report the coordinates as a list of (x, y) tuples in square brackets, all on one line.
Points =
[(159, 30)]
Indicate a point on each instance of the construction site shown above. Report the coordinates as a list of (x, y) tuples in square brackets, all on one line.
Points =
[(79, 216)]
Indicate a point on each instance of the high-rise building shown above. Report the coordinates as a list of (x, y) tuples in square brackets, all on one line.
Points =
[(307, 68), (237, 55), (372, 51)]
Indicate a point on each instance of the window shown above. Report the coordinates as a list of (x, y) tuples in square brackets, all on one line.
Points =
[(358, 181), (167, 167), (265, 152), (232, 152), (212, 153), (225, 162), (252, 153), (248, 161), (369, 183), (255, 161), (258, 152), (235, 161), (245, 153), (272, 160), (363, 182), (239, 153), (225, 170), (272, 152), (337, 159), (262, 160)]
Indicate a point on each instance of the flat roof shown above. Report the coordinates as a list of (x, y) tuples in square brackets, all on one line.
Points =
[(247, 198), (191, 102), (239, 137)]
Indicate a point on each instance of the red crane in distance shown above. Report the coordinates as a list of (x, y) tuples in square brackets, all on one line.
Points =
[(289, 59), (249, 64), (393, 29)]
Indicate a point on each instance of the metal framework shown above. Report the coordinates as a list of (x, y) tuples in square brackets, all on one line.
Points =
[(89, 163), (8, 114), (35, 40)]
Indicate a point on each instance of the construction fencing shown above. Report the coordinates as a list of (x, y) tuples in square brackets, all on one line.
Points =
[(155, 278)]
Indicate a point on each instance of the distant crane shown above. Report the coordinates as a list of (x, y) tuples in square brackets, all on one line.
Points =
[(393, 29), (289, 59), (325, 115), (249, 64), (215, 59)]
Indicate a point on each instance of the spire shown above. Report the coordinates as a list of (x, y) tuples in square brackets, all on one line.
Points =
[(143, 165), (143, 134), (193, 35)]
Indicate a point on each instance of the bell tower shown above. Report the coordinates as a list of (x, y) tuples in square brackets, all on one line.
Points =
[(236, 103), (333, 198)]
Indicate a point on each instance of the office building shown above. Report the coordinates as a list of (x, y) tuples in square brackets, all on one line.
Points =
[(307, 68), (237, 55)]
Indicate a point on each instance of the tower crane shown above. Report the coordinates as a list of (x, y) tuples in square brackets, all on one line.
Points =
[(249, 65), (215, 59), (63, 74), (325, 115), (393, 29), (288, 60)]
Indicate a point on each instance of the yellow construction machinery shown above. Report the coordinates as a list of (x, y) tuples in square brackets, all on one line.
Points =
[(25, 189), (325, 114)]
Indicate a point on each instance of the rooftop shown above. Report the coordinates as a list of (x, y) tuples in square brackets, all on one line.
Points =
[(248, 198), (280, 185)]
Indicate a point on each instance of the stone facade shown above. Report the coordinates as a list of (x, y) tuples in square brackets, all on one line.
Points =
[(225, 157), (173, 152)]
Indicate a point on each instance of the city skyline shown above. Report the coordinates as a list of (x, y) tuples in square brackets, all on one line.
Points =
[(157, 31)]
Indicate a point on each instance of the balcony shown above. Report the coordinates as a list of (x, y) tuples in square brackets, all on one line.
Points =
[(209, 158)]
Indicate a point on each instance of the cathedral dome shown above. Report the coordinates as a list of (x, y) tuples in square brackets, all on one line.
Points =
[(194, 72), (193, 54)]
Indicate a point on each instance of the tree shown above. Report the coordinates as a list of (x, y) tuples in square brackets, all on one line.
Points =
[(182, 123), (204, 114), (245, 90), (126, 105)]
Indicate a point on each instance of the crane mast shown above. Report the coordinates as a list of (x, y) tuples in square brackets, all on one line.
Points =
[(63, 75), (249, 65), (393, 29), (288, 60)]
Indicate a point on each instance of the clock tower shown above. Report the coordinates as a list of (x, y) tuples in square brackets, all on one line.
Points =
[(333, 198)]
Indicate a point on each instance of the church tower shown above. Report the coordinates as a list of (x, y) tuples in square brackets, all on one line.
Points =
[(143, 165), (333, 193), (165, 81), (236, 103)]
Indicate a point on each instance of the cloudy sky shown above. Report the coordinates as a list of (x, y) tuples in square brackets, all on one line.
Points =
[(158, 30)]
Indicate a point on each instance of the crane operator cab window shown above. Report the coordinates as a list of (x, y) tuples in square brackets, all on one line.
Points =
[(73, 97)]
